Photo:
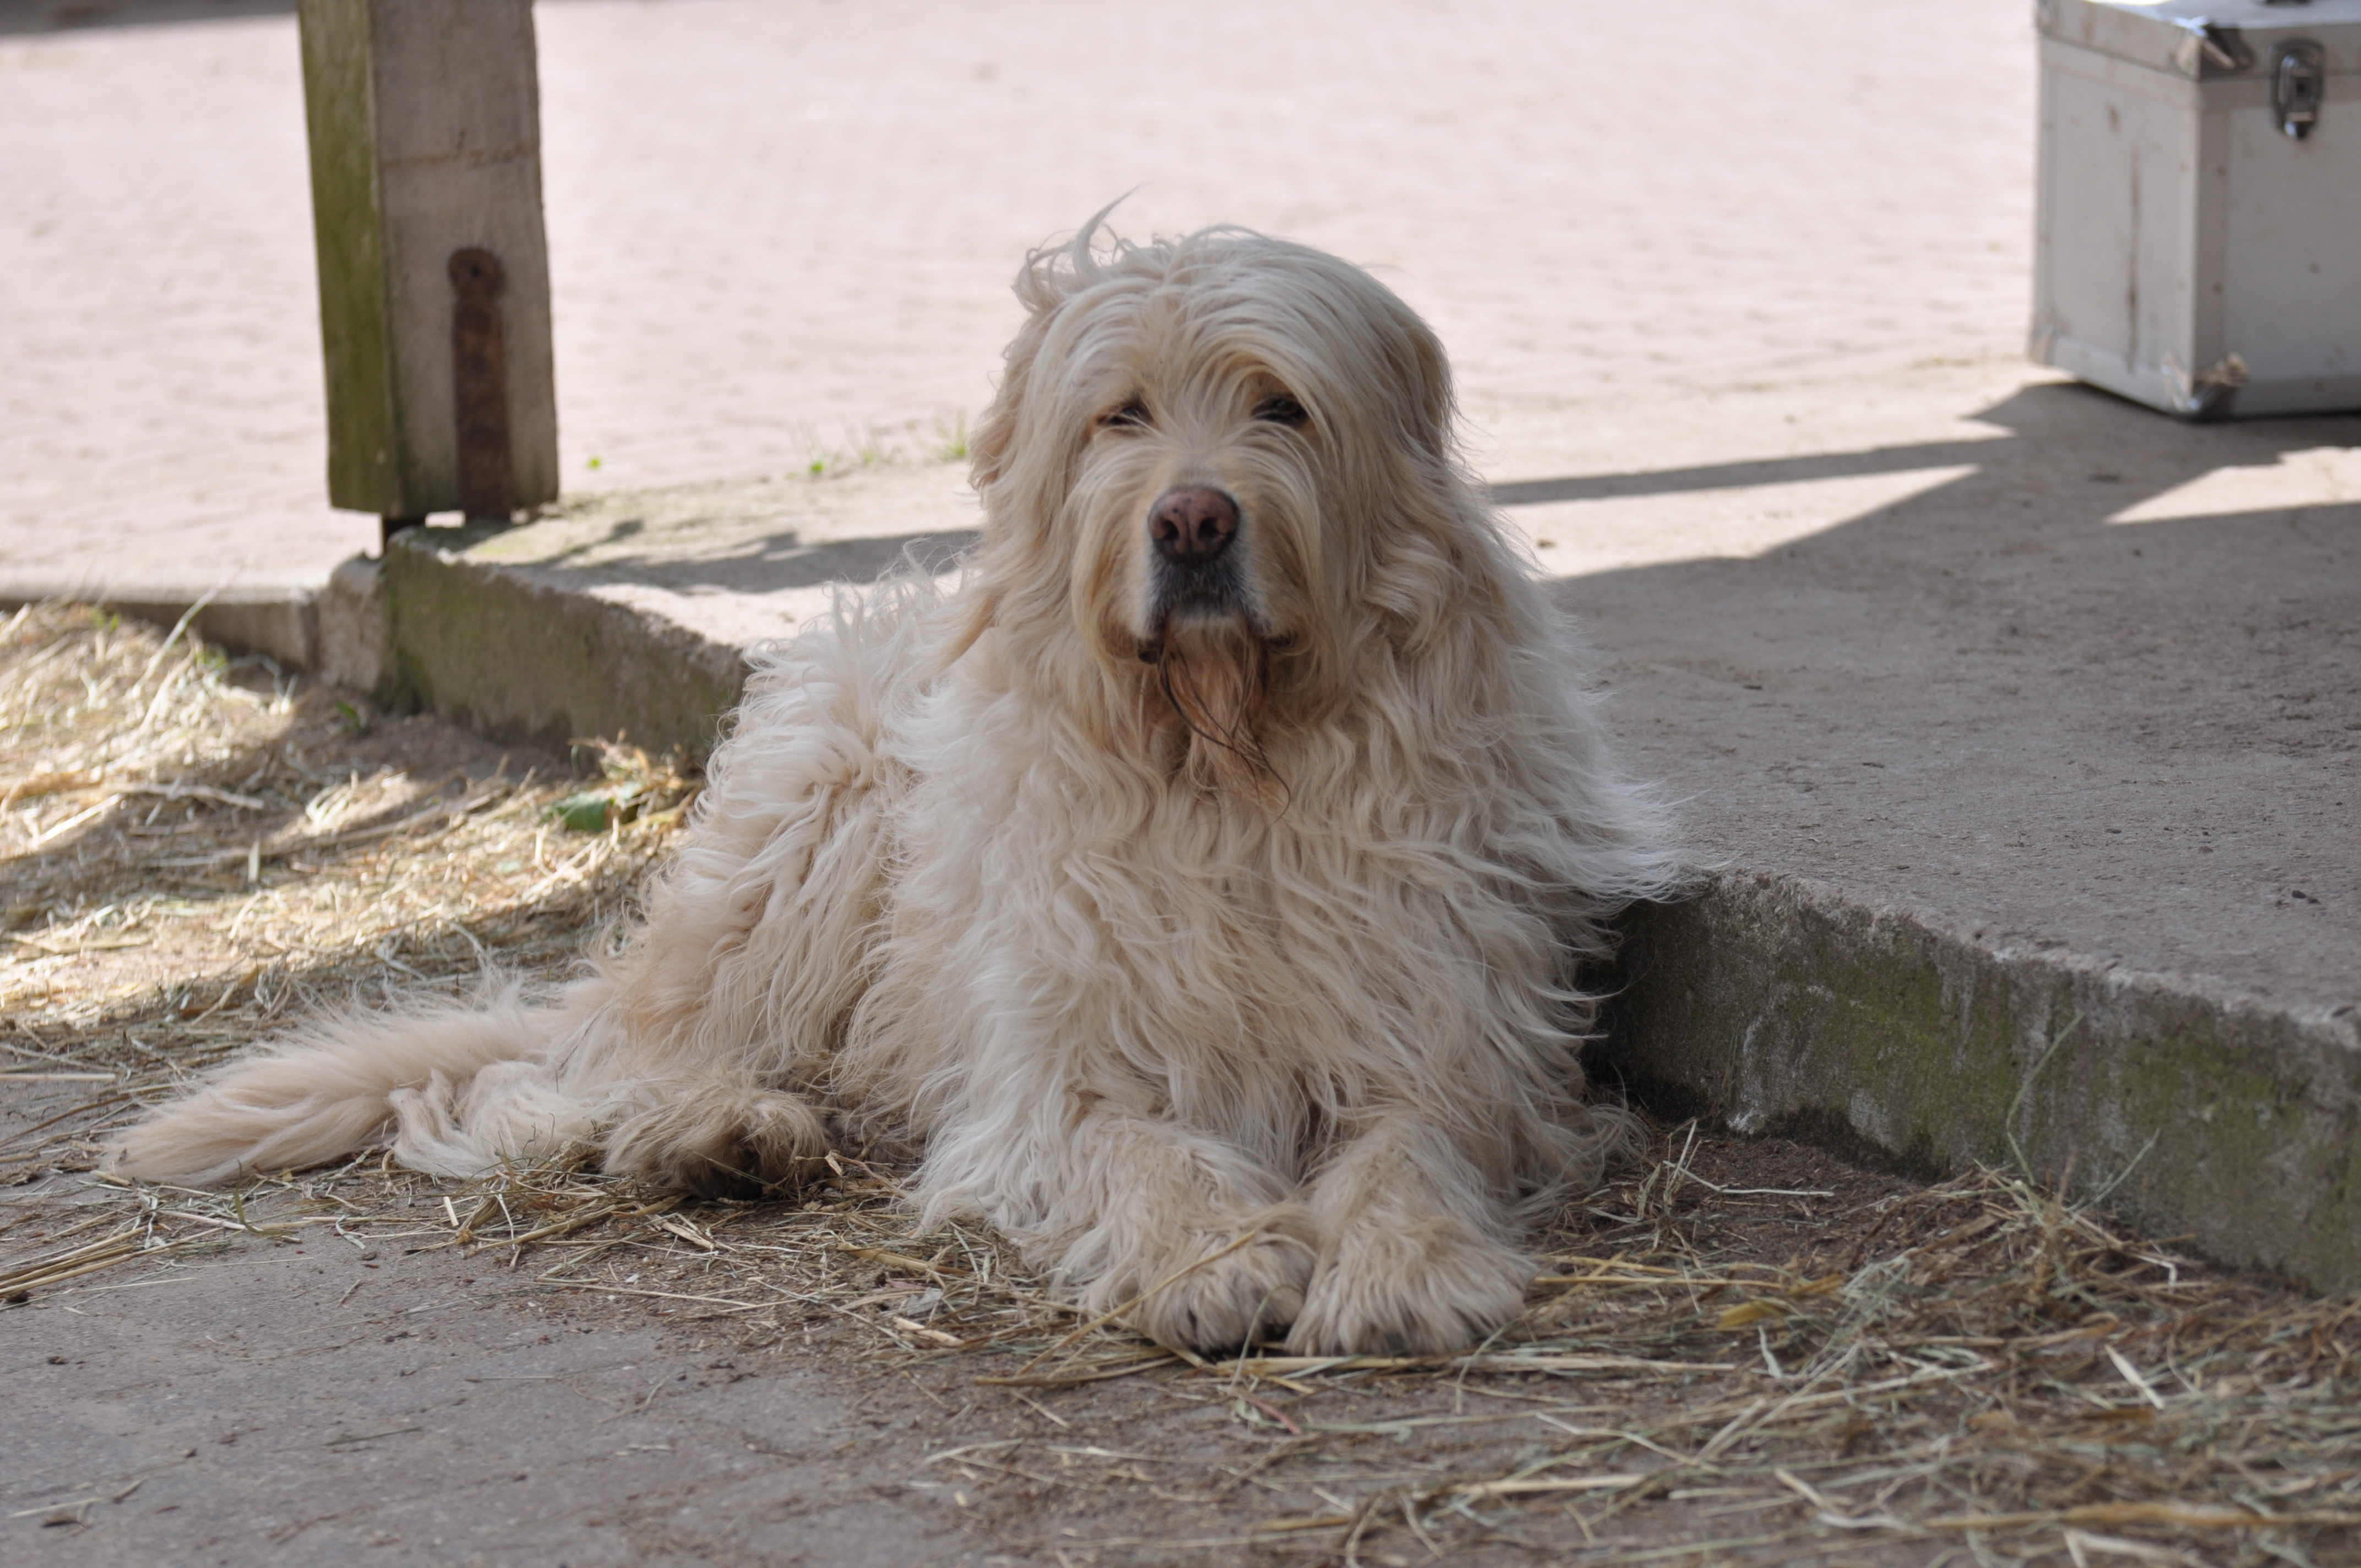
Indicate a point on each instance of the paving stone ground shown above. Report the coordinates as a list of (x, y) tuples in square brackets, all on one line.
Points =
[(783, 224)]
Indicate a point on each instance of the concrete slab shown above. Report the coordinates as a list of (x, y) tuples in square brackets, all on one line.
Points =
[(2030, 767), (1990, 642), (304, 1404), (2003, 715)]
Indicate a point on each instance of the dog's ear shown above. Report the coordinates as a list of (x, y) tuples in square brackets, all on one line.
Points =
[(1342, 326), (1417, 365), (1043, 287), (1050, 276), (992, 452), (979, 609), (996, 434), (1430, 378), (994, 441)]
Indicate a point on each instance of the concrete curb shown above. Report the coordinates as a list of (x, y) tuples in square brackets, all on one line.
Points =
[(520, 658), (281, 623), (1776, 1003)]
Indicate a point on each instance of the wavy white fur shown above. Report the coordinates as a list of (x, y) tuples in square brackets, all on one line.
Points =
[(1165, 931)]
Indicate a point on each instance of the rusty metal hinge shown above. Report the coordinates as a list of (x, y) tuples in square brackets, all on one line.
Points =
[(479, 385)]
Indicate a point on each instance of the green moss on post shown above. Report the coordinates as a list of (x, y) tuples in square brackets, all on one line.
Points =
[(348, 226), (425, 122)]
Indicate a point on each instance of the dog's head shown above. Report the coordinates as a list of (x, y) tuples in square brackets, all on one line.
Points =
[(1224, 464)]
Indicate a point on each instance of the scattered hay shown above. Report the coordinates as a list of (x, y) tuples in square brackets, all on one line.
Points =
[(199, 848), (1713, 1366), (1984, 1366)]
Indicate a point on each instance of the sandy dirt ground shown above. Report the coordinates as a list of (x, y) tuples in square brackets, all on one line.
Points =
[(778, 227)]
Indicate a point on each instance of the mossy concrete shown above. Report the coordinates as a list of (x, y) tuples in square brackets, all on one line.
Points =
[(627, 613), (518, 657), (1778, 1002)]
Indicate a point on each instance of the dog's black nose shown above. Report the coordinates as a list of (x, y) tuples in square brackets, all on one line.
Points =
[(1193, 526)]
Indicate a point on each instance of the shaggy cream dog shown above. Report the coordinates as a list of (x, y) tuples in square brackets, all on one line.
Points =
[(1203, 880)]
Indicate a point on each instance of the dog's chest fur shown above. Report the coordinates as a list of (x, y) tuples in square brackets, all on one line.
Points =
[(1055, 918)]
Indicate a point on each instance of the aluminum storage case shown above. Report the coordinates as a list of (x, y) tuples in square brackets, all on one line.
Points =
[(2198, 236)]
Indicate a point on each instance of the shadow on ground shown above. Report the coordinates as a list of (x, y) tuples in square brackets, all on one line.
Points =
[(20, 17), (2101, 692)]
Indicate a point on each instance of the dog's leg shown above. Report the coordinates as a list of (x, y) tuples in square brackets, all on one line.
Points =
[(754, 948), (1417, 1260), (716, 1136), (1193, 1242), (691, 1063)]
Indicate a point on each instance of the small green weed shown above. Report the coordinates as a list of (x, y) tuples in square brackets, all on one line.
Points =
[(633, 787), (950, 441), (873, 446)]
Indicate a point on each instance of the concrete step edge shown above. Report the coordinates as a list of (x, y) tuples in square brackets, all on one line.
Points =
[(1774, 1001), (279, 620)]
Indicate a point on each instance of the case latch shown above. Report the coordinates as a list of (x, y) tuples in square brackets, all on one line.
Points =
[(2297, 66)]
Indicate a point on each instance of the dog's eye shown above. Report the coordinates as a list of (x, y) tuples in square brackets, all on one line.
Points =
[(1133, 415), (1282, 410)]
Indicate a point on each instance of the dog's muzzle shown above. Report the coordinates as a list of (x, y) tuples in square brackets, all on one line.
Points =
[(1192, 529)]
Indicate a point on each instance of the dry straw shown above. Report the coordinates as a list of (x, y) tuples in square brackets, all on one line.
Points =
[(1974, 1372)]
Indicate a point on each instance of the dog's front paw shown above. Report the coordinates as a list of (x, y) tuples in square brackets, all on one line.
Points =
[(1426, 1287), (1240, 1290), (719, 1139)]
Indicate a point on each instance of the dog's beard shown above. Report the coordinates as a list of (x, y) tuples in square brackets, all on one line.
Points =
[(1217, 676)]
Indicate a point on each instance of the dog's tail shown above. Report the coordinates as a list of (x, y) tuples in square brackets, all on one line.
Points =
[(456, 1089)]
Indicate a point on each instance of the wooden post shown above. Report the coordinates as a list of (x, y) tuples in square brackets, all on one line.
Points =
[(425, 131)]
